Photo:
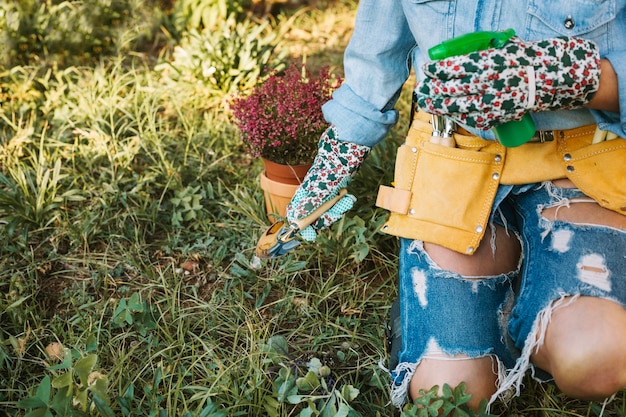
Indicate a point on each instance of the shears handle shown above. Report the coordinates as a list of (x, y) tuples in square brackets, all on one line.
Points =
[(317, 213)]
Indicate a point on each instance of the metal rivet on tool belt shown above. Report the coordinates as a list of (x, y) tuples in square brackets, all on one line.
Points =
[(498, 158), (495, 176), (570, 168), (470, 249), (569, 23), (567, 157), (414, 149), (479, 229), (412, 211)]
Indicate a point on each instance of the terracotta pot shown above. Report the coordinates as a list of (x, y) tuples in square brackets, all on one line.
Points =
[(279, 183), (288, 174), (277, 197)]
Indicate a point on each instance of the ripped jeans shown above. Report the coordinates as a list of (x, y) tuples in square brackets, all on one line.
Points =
[(500, 316)]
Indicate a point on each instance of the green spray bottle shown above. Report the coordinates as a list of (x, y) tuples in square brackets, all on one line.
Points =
[(509, 134)]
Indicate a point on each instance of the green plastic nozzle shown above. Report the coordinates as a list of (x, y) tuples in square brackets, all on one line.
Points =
[(470, 42), (510, 134)]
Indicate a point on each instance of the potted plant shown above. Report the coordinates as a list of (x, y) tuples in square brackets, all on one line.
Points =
[(281, 122)]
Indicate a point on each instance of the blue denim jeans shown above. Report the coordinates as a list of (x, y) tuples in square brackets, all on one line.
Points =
[(499, 316)]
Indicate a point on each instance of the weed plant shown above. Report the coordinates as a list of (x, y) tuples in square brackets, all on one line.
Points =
[(128, 286)]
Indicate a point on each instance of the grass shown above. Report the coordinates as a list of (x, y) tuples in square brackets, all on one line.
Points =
[(129, 221)]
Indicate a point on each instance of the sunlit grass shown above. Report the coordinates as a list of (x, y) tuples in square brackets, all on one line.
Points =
[(129, 219)]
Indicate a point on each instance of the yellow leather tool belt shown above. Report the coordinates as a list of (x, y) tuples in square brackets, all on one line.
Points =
[(444, 194)]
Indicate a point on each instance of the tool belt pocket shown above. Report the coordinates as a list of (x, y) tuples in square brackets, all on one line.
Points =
[(441, 194), (598, 171)]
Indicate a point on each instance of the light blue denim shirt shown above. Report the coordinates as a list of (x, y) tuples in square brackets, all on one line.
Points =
[(392, 36)]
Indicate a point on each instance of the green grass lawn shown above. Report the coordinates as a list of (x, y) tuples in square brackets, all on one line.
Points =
[(128, 283)]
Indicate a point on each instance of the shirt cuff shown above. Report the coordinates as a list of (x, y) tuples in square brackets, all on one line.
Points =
[(615, 122), (356, 120)]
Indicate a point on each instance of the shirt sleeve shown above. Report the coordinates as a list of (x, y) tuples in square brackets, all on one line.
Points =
[(615, 122), (377, 62)]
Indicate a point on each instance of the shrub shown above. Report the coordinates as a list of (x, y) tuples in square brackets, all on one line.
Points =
[(282, 119), (72, 32), (226, 60)]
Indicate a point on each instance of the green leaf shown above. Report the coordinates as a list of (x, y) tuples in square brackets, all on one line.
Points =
[(43, 390), (286, 385), (83, 368), (460, 396), (64, 380), (271, 406), (330, 409), (91, 344), (460, 413), (314, 365), (309, 382), (99, 387), (343, 411), (119, 316), (40, 412), (276, 349), (102, 406), (81, 397), (307, 412), (31, 402), (349, 393), (296, 399), (62, 401), (135, 304)]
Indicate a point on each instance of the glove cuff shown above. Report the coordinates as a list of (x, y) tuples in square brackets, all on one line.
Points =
[(576, 86), (342, 158)]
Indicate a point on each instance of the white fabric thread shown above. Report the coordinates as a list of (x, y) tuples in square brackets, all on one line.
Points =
[(532, 87)]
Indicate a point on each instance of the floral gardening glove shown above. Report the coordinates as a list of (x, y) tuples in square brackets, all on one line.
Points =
[(332, 170), (487, 88)]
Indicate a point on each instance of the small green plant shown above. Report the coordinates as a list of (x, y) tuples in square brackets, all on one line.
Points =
[(78, 386), (309, 386), (135, 312), (452, 402), (33, 191), (186, 206)]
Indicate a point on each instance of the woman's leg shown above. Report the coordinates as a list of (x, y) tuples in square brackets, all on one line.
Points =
[(585, 341), (585, 348), (569, 318), (492, 258)]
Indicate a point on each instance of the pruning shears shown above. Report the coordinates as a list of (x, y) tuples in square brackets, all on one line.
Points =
[(280, 237)]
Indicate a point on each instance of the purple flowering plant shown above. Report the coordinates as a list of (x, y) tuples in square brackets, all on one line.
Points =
[(282, 120)]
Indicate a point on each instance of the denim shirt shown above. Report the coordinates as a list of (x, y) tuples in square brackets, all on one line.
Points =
[(393, 36)]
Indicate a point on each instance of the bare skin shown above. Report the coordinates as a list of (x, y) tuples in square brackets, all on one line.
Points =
[(479, 374), (585, 343), (606, 98)]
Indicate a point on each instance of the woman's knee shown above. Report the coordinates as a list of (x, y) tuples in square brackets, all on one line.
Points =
[(592, 375), (585, 348), (498, 253), (479, 376)]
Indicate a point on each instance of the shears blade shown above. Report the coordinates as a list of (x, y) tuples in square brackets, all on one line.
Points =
[(277, 240)]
